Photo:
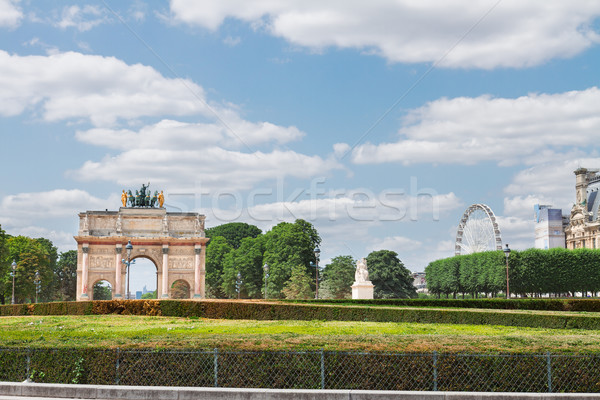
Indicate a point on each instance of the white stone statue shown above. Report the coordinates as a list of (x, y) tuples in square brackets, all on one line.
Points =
[(361, 274)]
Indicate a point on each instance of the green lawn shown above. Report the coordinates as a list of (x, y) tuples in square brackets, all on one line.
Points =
[(110, 331)]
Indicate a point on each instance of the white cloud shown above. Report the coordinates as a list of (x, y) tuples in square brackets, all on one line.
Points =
[(399, 244), (176, 135), (487, 34), (37, 214), (82, 18), (358, 205), (26, 208), (232, 41), (211, 168), (102, 89), (551, 183), (472, 130), (517, 232), (10, 14)]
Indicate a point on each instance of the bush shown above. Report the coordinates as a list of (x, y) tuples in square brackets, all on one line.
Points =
[(338, 311)]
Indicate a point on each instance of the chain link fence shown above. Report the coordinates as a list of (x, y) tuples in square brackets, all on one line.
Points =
[(306, 369)]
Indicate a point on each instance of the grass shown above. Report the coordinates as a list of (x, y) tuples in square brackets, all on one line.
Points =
[(111, 331)]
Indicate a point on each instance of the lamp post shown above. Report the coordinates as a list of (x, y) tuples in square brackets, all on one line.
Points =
[(13, 274), (238, 285), (507, 254), (317, 253), (38, 284), (266, 268), (128, 263)]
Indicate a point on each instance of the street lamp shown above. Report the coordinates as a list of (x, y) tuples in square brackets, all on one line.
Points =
[(266, 268), (38, 284), (317, 253), (506, 254), (238, 285), (13, 274), (128, 263)]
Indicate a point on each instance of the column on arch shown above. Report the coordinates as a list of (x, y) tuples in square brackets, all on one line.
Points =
[(200, 272), (84, 271), (165, 272), (118, 262)]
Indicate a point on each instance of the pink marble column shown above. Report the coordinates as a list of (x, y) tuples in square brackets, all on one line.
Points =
[(165, 272), (84, 271), (118, 268), (199, 276)]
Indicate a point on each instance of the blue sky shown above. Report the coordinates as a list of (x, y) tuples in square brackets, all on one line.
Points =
[(378, 122)]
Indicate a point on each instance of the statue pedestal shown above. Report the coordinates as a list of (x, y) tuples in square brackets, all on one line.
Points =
[(362, 290)]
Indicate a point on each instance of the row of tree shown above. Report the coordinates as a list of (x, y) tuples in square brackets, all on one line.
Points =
[(234, 248), (532, 272), (288, 250), (58, 272)]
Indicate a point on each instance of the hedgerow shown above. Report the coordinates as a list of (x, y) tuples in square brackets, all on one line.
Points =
[(332, 312)]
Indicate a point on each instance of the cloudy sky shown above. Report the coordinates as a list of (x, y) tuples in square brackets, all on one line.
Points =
[(380, 122)]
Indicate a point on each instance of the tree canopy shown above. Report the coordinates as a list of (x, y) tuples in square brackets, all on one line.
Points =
[(389, 276), (233, 232), (338, 277)]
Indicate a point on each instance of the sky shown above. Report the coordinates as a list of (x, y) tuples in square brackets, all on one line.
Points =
[(379, 122)]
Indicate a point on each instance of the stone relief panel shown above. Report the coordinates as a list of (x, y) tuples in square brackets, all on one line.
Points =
[(101, 262), (181, 262)]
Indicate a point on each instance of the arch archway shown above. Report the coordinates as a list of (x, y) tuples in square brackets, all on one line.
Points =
[(102, 290), (173, 241), (143, 276), (180, 289)]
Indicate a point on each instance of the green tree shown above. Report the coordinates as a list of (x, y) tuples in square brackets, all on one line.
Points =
[(49, 287), (338, 277), (102, 291), (215, 260), (233, 232), (30, 255), (248, 261), (299, 285), (149, 295), (390, 276), (65, 275), (288, 245), (180, 290), (5, 261)]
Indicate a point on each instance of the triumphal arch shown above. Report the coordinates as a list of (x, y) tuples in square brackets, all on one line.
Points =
[(173, 241)]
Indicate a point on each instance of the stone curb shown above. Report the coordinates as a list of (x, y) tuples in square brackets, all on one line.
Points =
[(11, 390)]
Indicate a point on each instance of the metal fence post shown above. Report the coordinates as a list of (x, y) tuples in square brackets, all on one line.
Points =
[(322, 369), (435, 372), (117, 366), (216, 366), (549, 371), (28, 365)]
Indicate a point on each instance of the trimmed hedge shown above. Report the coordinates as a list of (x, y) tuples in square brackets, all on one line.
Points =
[(589, 305), (308, 312)]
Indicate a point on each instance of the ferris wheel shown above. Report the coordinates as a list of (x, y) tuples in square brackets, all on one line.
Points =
[(477, 231)]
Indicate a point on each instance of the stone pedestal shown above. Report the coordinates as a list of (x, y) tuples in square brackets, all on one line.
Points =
[(362, 290)]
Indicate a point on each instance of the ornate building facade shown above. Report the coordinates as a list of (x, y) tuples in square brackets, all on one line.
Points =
[(583, 230), (173, 241)]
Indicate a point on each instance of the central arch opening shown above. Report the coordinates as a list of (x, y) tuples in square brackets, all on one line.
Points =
[(102, 290), (143, 279)]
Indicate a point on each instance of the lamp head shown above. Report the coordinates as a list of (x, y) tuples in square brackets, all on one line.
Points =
[(317, 252), (266, 267), (506, 251), (14, 265), (129, 247)]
